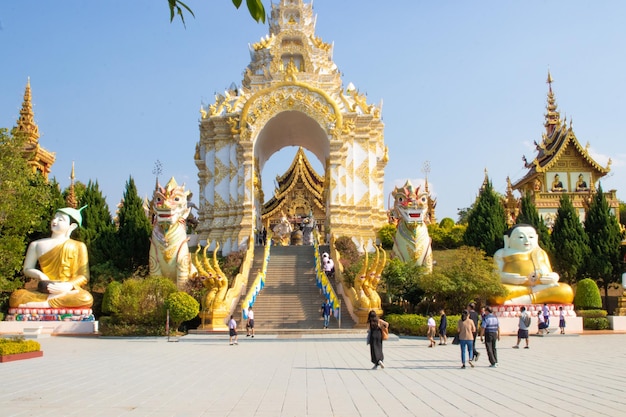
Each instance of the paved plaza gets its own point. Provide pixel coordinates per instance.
(314, 375)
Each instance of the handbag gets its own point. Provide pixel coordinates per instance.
(385, 332)
(455, 341)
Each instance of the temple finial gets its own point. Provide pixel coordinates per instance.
(26, 121)
(553, 118)
(70, 200)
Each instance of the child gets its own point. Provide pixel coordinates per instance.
(541, 324)
(432, 328)
(561, 320)
(232, 330)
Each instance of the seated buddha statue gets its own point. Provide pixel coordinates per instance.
(525, 270)
(63, 267)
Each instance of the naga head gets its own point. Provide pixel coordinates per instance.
(169, 205)
(410, 205)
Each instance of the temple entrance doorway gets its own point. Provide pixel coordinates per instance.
(292, 177)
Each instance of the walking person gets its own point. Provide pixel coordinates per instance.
(490, 330)
(546, 316)
(232, 331)
(431, 330)
(375, 339)
(327, 311)
(250, 324)
(443, 326)
(466, 329)
(523, 326)
(471, 309)
(542, 326)
(561, 320)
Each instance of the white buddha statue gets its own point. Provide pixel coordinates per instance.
(525, 270)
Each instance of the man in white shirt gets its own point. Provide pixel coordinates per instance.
(524, 325)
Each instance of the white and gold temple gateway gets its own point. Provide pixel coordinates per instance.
(291, 95)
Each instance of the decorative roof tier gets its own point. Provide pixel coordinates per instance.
(39, 159)
(558, 141)
(300, 173)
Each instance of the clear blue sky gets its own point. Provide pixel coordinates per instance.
(117, 87)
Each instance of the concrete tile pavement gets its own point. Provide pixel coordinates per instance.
(314, 375)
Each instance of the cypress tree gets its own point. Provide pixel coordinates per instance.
(486, 222)
(133, 234)
(98, 229)
(604, 235)
(571, 244)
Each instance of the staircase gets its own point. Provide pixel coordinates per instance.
(290, 299)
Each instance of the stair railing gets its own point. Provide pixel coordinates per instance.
(259, 281)
(323, 282)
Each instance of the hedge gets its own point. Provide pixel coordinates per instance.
(18, 345)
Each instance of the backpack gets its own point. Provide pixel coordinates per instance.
(527, 320)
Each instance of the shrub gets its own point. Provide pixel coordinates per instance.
(231, 264)
(111, 297)
(386, 235)
(138, 302)
(182, 307)
(587, 295)
(595, 323)
(416, 325)
(348, 251)
(591, 314)
(18, 345)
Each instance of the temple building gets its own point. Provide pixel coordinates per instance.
(39, 159)
(291, 94)
(299, 194)
(561, 166)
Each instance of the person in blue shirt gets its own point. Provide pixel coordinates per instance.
(326, 313)
(490, 330)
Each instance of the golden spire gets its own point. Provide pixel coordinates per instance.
(39, 159)
(26, 122)
(553, 118)
(70, 200)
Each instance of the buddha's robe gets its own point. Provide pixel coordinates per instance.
(525, 264)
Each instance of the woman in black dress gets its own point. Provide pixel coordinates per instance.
(375, 339)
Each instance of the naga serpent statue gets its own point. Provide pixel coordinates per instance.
(364, 294)
(169, 253)
(411, 242)
(216, 282)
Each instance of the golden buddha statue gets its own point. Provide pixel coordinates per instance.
(64, 267)
(525, 270)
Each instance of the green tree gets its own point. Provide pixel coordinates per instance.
(571, 245)
(486, 222)
(133, 234)
(529, 215)
(98, 231)
(386, 234)
(446, 234)
(469, 276)
(463, 214)
(603, 263)
(255, 7)
(25, 203)
(182, 307)
(400, 281)
(622, 213)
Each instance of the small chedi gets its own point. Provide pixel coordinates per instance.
(525, 271)
(169, 252)
(412, 242)
(61, 277)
